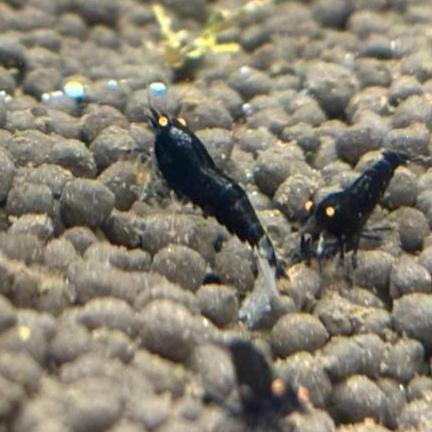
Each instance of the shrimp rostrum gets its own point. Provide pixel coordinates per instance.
(190, 171)
(343, 214)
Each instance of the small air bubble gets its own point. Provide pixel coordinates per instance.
(245, 70)
(158, 89)
(395, 46)
(112, 84)
(74, 89)
(5, 96)
(46, 97)
(247, 109)
(349, 60)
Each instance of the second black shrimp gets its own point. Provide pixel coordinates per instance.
(344, 214)
(265, 399)
(190, 171)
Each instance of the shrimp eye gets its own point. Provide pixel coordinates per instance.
(278, 387)
(182, 121)
(330, 211)
(308, 206)
(162, 121)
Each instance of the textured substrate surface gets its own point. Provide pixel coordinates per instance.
(105, 323)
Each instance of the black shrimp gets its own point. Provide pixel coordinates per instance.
(264, 397)
(190, 171)
(344, 214)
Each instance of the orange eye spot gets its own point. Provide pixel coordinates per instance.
(162, 121)
(330, 211)
(278, 387)
(182, 121)
(308, 205)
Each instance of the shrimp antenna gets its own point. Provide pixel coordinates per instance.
(422, 160)
(156, 91)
